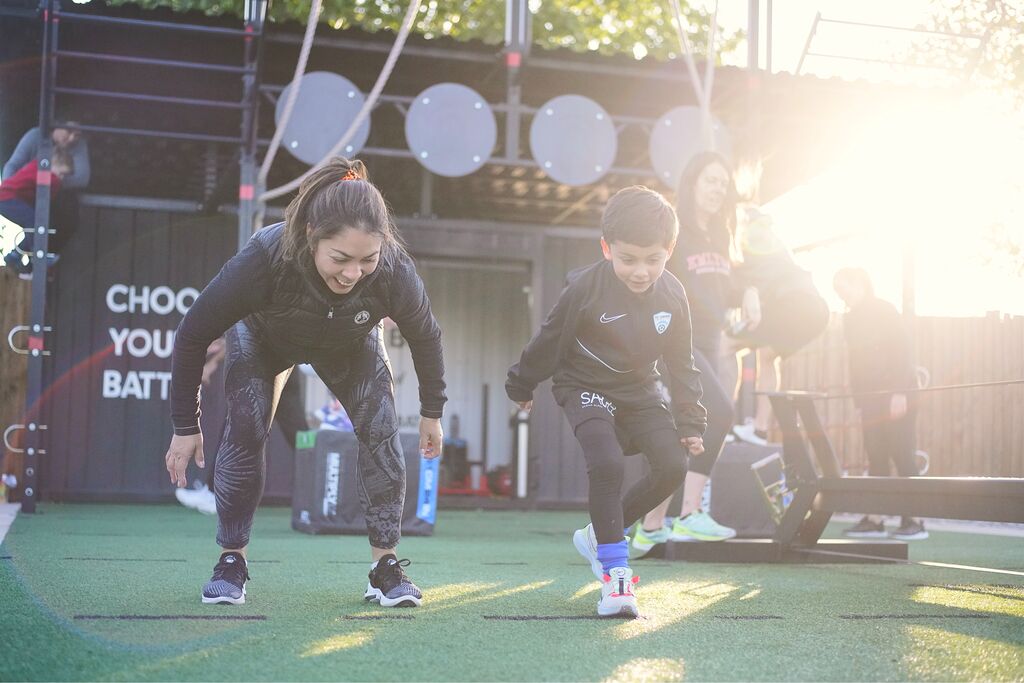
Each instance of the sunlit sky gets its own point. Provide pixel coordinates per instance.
(937, 182)
(792, 21)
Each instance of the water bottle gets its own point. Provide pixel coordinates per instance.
(787, 495)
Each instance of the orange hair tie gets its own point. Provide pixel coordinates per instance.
(351, 175)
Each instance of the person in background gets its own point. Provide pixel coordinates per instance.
(290, 417)
(706, 206)
(68, 138)
(18, 200)
(880, 360)
(793, 313)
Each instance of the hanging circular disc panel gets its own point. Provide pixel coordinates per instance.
(327, 104)
(573, 140)
(677, 138)
(451, 129)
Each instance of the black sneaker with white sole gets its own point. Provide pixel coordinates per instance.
(227, 587)
(910, 529)
(866, 528)
(390, 586)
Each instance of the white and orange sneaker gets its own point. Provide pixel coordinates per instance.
(617, 598)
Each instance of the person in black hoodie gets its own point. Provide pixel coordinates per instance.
(880, 361)
(314, 289)
(601, 342)
(793, 313)
(706, 205)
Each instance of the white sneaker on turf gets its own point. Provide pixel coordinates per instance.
(586, 544)
(747, 432)
(617, 598)
(201, 499)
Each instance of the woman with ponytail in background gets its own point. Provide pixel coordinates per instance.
(706, 206)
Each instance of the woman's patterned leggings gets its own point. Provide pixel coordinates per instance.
(361, 379)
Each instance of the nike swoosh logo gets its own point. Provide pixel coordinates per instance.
(605, 319)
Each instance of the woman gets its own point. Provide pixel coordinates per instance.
(706, 206)
(312, 289)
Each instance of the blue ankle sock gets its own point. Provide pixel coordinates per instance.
(613, 555)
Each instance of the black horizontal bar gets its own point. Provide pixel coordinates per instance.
(409, 50)
(982, 499)
(494, 106)
(670, 71)
(190, 101)
(198, 137)
(493, 161)
(900, 28)
(145, 23)
(148, 61)
(18, 12)
(888, 392)
(919, 65)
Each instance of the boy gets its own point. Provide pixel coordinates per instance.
(612, 323)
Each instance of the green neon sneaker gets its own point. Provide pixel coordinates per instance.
(698, 526)
(644, 540)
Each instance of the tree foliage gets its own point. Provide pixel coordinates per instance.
(996, 63)
(996, 60)
(638, 27)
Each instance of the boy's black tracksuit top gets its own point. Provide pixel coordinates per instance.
(603, 337)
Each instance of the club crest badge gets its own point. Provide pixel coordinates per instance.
(661, 321)
(362, 317)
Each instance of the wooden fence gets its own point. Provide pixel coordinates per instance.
(965, 432)
(15, 295)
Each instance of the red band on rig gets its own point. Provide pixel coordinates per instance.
(246, 191)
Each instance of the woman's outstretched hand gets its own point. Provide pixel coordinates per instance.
(181, 450)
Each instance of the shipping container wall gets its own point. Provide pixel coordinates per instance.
(484, 315)
(124, 281)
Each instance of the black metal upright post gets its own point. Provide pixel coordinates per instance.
(517, 48)
(34, 428)
(248, 194)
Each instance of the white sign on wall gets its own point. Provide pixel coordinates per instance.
(142, 343)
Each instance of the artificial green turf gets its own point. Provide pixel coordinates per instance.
(92, 560)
